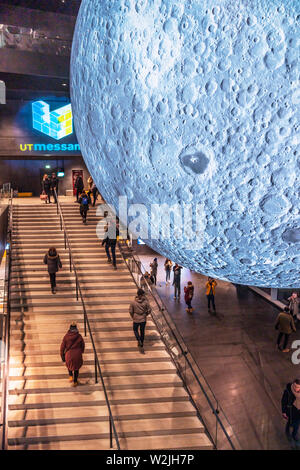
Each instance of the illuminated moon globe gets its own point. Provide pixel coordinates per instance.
(196, 104)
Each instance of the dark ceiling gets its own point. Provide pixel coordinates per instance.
(66, 7)
(18, 85)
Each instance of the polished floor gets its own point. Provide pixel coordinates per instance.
(235, 349)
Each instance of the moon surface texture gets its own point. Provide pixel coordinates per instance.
(197, 102)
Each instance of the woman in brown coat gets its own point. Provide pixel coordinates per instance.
(285, 326)
(71, 350)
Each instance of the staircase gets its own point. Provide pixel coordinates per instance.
(149, 403)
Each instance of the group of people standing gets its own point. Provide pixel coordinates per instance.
(151, 278)
(50, 187)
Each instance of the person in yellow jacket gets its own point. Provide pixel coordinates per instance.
(210, 292)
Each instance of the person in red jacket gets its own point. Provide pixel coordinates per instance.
(71, 350)
(188, 295)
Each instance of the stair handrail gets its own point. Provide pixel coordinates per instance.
(6, 329)
(185, 351)
(112, 427)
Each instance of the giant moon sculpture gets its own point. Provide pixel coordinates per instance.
(197, 102)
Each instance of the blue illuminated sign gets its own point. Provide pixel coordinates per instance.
(56, 124)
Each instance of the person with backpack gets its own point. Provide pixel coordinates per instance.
(52, 260)
(285, 326)
(139, 309)
(290, 405)
(188, 295)
(84, 201)
(210, 292)
(71, 350)
(145, 280)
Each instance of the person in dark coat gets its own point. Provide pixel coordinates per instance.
(177, 280)
(95, 194)
(188, 295)
(154, 266)
(78, 186)
(53, 262)
(84, 201)
(290, 405)
(285, 326)
(168, 267)
(54, 186)
(71, 350)
(110, 241)
(46, 187)
(139, 309)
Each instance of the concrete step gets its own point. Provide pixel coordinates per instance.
(85, 230)
(120, 347)
(33, 338)
(89, 261)
(17, 295)
(173, 434)
(94, 269)
(109, 370)
(122, 322)
(73, 398)
(40, 251)
(91, 310)
(19, 347)
(113, 383)
(111, 274)
(28, 332)
(91, 413)
(187, 442)
(53, 236)
(66, 286)
(64, 255)
(44, 245)
(54, 360)
(57, 301)
(104, 318)
(26, 218)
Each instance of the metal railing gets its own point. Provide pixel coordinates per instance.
(98, 371)
(207, 405)
(4, 344)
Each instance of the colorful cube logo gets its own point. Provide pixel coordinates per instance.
(56, 124)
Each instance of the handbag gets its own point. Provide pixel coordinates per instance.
(43, 196)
